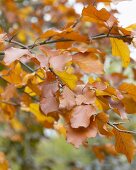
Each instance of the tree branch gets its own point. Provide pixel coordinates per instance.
(120, 130)
(95, 37)
(10, 103)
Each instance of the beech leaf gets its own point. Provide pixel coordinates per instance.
(78, 136)
(124, 143)
(12, 54)
(119, 48)
(80, 116)
(69, 79)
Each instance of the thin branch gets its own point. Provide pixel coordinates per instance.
(118, 123)
(48, 42)
(120, 130)
(95, 37)
(9, 102)
(100, 36)
(16, 43)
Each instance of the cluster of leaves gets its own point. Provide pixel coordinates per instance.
(60, 78)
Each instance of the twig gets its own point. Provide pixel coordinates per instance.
(48, 42)
(95, 37)
(118, 123)
(10, 103)
(100, 36)
(120, 130)
(16, 43)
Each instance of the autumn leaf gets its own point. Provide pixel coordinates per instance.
(124, 143)
(119, 48)
(118, 105)
(78, 136)
(13, 54)
(88, 62)
(129, 89)
(67, 99)
(129, 104)
(49, 104)
(102, 120)
(88, 97)
(103, 17)
(80, 116)
(102, 151)
(69, 79)
(34, 108)
(3, 162)
(58, 61)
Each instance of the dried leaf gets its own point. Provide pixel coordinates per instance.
(80, 116)
(13, 54)
(79, 136)
(67, 99)
(124, 143)
(88, 62)
(101, 120)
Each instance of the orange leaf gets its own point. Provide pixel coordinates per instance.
(101, 120)
(88, 62)
(102, 16)
(124, 143)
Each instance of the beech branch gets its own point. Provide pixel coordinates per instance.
(94, 37)
(120, 130)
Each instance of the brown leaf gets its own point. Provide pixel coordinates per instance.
(57, 59)
(88, 97)
(12, 54)
(116, 104)
(67, 99)
(49, 89)
(9, 92)
(88, 62)
(80, 116)
(49, 104)
(79, 136)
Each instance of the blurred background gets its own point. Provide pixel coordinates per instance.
(25, 144)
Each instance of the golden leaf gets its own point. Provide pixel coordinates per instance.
(119, 48)
(68, 79)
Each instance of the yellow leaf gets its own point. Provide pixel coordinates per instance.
(98, 105)
(34, 108)
(17, 125)
(131, 27)
(68, 79)
(29, 91)
(124, 143)
(101, 93)
(119, 48)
